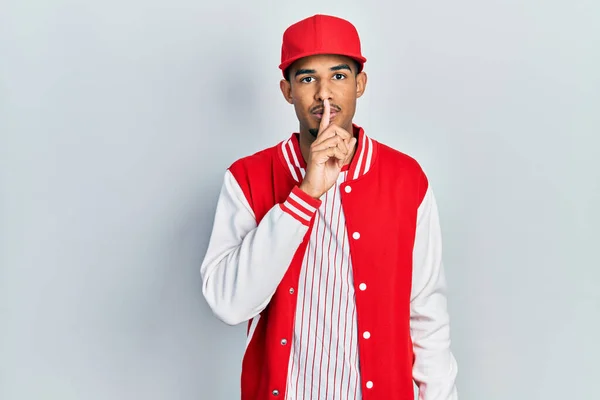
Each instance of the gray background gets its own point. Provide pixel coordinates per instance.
(118, 119)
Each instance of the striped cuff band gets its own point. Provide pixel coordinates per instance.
(301, 206)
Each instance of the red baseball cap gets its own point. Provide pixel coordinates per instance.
(320, 34)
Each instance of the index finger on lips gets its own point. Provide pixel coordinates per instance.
(325, 117)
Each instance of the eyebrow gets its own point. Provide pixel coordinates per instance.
(312, 71)
(340, 67)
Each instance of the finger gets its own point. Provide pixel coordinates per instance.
(329, 142)
(332, 131)
(336, 152)
(350, 145)
(322, 156)
(341, 132)
(324, 135)
(344, 134)
(325, 117)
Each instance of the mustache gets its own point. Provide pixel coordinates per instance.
(319, 109)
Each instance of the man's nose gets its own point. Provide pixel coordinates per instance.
(323, 92)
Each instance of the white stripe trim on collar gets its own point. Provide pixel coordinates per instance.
(360, 158)
(286, 155)
(363, 164)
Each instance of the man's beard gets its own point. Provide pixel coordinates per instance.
(314, 131)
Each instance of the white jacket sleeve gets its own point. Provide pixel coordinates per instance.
(435, 369)
(245, 261)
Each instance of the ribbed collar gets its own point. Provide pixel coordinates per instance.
(291, 156)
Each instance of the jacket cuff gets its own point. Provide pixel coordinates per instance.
(301, 206)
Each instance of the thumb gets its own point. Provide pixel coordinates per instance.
(352, 142)
(350, 147)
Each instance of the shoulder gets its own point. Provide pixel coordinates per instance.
(401, 170)
(390, 157)
(257, 162)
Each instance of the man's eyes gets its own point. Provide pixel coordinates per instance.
(310, 79)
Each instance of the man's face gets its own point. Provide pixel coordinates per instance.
(315, 78)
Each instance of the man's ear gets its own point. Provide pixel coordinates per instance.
(286, 90)
(361, 83)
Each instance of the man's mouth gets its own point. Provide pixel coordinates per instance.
(319, 115)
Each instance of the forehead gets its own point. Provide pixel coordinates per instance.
(321, 62)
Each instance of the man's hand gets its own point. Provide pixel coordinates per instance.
(332, 149)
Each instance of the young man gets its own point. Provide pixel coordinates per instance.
(328, 244)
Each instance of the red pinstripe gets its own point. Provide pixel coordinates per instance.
(325, 322)
(339, 318)
(337, 231)
(315, 317)
(310, 309)
(319, 291)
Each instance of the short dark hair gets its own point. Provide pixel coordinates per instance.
(286, 72)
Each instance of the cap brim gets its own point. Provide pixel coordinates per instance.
(283, 66)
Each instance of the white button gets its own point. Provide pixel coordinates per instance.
(291, 290)
(362, 286)
(348, 189)
(369, 385)
(275, 392)
(356, 235)
(283, 342)
(367, 334)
